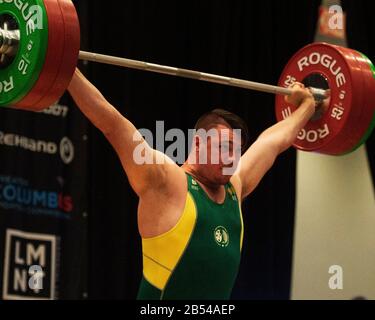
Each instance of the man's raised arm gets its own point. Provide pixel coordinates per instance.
(121, 133)
(260, 157)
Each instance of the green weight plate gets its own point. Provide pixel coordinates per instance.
(18, 74)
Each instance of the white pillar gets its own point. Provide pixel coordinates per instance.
(335, 225)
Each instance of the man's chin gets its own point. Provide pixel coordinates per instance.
(223, 180)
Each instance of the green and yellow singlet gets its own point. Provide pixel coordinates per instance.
(199, 258)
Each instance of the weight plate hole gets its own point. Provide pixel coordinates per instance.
(9, 39)
(317, 80)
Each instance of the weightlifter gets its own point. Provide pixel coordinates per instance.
(190, 217)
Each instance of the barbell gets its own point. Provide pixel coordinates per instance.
(39, 50)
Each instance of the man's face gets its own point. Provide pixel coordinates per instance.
(223, 151)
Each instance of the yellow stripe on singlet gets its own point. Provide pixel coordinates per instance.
(242, 228)
(233, 190)
(162, 253)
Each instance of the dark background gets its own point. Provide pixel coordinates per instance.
(101, 256)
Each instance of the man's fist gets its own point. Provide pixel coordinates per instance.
(299, 95)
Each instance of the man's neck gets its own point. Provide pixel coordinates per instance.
(194, 172)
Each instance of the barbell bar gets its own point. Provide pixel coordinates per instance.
(319, 94)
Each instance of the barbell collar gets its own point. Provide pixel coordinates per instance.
(9, 40)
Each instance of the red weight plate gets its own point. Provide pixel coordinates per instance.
(331, 133)
(358, 131)
(368, 111)
(369, 79)
(353, 131)
(53, 57)
(70, 55)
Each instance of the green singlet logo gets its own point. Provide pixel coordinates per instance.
(221, 236)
